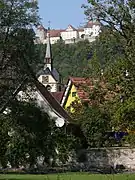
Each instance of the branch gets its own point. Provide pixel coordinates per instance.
(13, 95)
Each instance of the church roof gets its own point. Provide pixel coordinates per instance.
(58, 95)
(56, 74)
(47, 71)
(51, 100)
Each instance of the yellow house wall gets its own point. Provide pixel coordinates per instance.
(70, 98)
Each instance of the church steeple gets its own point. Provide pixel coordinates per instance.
(48, 56)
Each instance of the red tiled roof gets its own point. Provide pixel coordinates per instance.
(81, 84)
(58, 95)
(80, 30)
(90, 24)
(55, 33)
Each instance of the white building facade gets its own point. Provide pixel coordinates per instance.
(70, 34)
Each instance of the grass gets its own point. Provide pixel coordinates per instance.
(69, 176)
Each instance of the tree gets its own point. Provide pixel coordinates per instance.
(16, 44)
(4, 138)
(26, 134)
(118, 17)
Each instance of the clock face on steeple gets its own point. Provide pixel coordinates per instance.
(45, 79)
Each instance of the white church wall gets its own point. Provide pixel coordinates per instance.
(41, 102)
(47, 108)
(51, 82)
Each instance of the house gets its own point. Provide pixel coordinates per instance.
(91, 30)
(41, 35)
(69, 35)
(76, 91)
(81, 90)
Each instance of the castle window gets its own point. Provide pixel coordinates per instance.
(45, 79)
(73, 94)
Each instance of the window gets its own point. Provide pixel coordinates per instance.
(48, 87)
(73, 94)
(82, 36)
(45, 79)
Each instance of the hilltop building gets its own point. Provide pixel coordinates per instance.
(69, 35)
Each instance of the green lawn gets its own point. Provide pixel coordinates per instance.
(69, 176)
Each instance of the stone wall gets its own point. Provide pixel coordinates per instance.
(108, 157)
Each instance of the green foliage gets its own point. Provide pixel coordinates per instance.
(4, 139)
(92, 121)
(124, 115)
(65, 143)
(68, 59)
(16, 44)
(30, 134)
(114, 54)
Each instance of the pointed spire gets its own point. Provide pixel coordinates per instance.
(48, 56)
(48, 48)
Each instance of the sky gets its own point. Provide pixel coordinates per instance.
(61, 13)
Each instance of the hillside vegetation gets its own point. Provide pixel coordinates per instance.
(68, 59)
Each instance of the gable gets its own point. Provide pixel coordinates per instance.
(79, 86)
(45, 79)
(71, 97)
(46, 72)
(70, 28)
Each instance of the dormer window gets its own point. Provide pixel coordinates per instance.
(45, 79)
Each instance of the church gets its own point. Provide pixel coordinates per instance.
(49, 76)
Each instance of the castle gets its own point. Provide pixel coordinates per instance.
(69, 35)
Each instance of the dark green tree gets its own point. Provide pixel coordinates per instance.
(118, 70)
(16, 44)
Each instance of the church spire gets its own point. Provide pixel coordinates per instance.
(48, 56)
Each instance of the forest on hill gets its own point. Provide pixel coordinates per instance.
(83, 58)
(68, 59)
